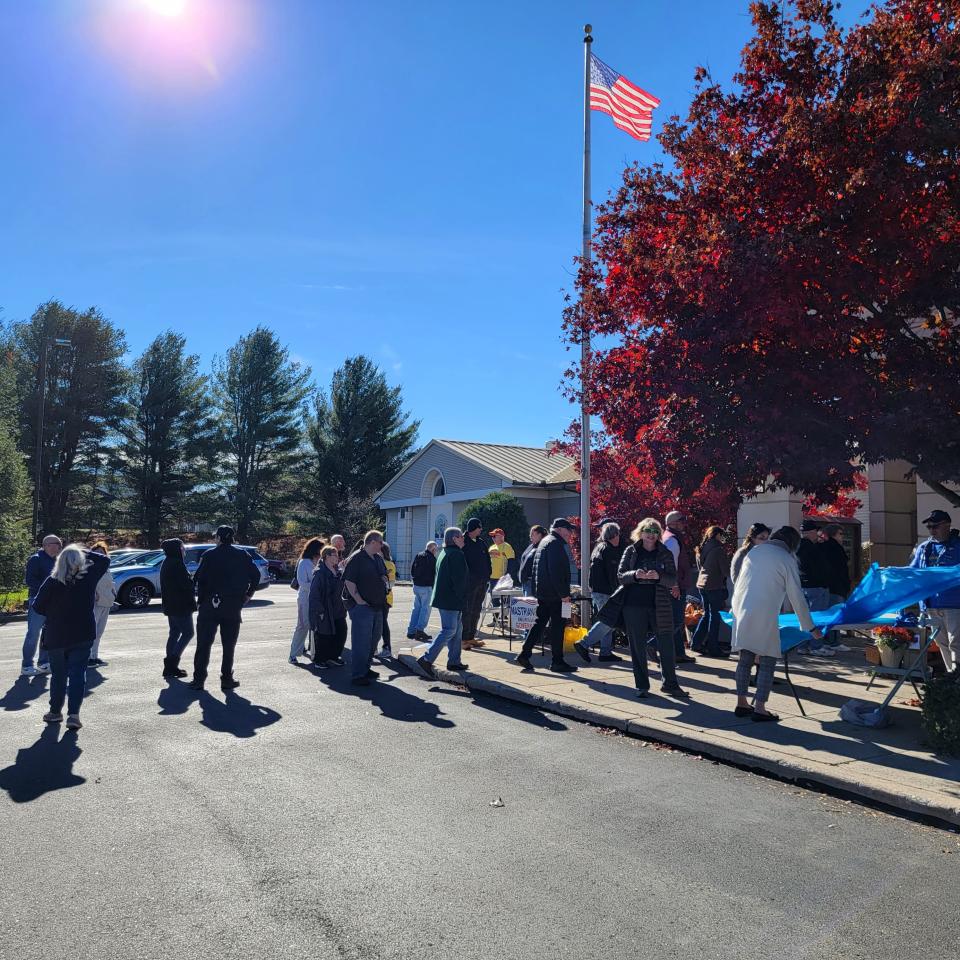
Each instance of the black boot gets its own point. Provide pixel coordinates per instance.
(171, 668)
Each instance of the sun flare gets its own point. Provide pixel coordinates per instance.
(167, 8)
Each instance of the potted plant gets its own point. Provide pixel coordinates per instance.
(892, 644)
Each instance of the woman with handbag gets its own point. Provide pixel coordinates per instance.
(328, 615)
(714, 564)
(309, 558)
(648, 582)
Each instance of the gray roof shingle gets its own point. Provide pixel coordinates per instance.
(524, 465)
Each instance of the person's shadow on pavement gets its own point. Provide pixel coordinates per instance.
(237, 716)
(175, 698)
(23, 691)
(45, 766)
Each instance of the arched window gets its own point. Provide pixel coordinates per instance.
(438, 488)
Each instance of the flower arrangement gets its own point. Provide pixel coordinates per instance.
(892, 637)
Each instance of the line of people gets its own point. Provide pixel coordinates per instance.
(638, 587)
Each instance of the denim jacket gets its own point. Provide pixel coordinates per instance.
(930, 553)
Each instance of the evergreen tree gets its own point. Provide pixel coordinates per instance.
(85, 380)
(167, 435)
(14, 486)
(259, 394)
(360, 437)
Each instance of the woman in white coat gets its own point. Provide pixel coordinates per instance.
(306, 566)
(769, 575)
(103, 602)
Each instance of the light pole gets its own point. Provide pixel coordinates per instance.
(38, 460)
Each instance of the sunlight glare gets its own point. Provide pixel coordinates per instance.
(167, 8)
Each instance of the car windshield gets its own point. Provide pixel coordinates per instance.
(129, 559)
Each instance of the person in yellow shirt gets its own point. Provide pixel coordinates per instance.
(500, 554)
(391, 578)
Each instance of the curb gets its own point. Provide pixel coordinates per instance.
(792, 771)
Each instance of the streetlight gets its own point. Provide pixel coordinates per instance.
(38, 465)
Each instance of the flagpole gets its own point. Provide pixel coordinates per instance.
(585, 352)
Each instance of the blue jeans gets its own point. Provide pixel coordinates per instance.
(35, 622)
(706, 638)
(366, 626)
(68, 677)
(818, 598)
(599, 632)
(450, 635)
(181, 633)
(421, 610)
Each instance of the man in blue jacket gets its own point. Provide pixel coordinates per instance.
(38, 569)
(942, 549)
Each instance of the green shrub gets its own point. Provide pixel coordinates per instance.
(499, 510)
(940, 713)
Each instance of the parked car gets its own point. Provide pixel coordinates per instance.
(280, 569)
(137, 584)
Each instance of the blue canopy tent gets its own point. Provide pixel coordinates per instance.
(877, 599)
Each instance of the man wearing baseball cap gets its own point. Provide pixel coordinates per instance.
(942, 549)
(478, 568)
(551, 586)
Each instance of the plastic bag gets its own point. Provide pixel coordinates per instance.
(864, 714)
(504, 583)
(572, 635)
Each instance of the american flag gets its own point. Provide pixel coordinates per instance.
(630, 107)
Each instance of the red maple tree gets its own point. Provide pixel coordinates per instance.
(783, 297)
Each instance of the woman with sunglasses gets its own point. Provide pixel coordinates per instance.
(648, 577)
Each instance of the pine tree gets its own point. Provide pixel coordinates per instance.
(167, 436)
(85, 380)
(259, 395)
(14, 486)
(360, 437)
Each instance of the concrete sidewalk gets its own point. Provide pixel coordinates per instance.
(889, 765)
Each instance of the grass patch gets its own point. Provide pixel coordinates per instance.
(13, 601)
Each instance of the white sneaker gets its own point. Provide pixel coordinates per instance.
(824, 652)
(43, 668)
(842, 648)
(29, 672)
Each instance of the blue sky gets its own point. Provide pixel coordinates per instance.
(400, 180)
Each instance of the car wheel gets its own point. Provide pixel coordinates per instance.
(136, 593)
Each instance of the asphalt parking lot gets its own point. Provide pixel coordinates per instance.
(299, 818)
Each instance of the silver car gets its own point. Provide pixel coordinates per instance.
(137, 584)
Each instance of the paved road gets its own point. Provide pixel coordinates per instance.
(296, 819)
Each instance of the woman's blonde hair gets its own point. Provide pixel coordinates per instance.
(329, 552)
(647, 525)
(71, 564)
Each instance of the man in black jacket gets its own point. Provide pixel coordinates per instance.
(423, 571)
(226, 579)
(551, 586)
(478, 567)
(813, 575)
